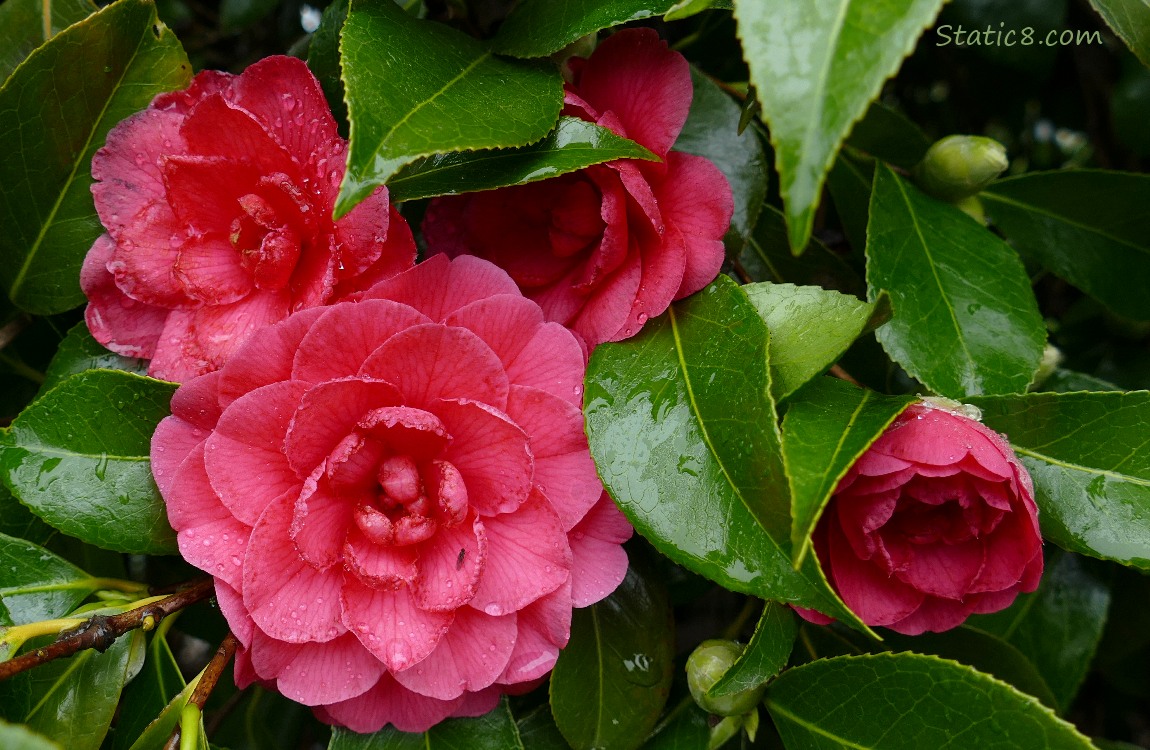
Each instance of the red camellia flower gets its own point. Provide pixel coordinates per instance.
(604, 249)
(396, 497)
(935, 522)
(218, 203)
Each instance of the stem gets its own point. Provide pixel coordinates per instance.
(193, 709)
(101, 631)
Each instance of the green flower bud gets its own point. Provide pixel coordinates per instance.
(959, 166)
(705, 666)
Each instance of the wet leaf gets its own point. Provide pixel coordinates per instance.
(26, 24)
(537, 28)
(79, 352)
(492, 731)
(764, 657)
(38, 585)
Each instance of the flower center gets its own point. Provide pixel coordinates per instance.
(268, 233)
(412, 501)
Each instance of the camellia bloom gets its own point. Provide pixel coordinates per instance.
(218, 203)
(935, 522)
(604, 249)
(396, 497)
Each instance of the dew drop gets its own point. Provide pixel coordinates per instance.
(493, 609)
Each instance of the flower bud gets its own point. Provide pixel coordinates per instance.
(706, 666)
(959, 166)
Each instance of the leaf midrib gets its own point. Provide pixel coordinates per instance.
(35, 247)
(1029, 207)
(1079, 467)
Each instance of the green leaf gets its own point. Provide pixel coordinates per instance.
(80, 352)
(58, 106)
(16, 737)
(965, 320)
(888, 135)
(79, 458)
(37, 585)
(828, 426)
(417, 88)
(685, 437)
(492, 731)
(611, 681)
(810, 329)
(764, 657)
(849, 183)
(537, 28)
(688, 8)
(18, 521)
(72, 701)
(26, 24)
(1088, 456)
(909, 701)
(537, 731)
(323, 60)
(1082, 225)
(816, 67)
(1130, 20)
(151, 703)
(1068, 381)
(982, 651)
(768, 257)
(712, 131)
(1056, 627)
(573, 145)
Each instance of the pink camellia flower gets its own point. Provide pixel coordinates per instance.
(604, 249)
(218, 203)
(935, 522)
(396, 498)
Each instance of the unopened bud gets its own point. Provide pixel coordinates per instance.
(1051, 359)
(706, 666)
(959, 166)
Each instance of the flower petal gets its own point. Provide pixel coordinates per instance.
(338, 342)
(876, 598)
(469, 657)
(329, 412)
(388, 702)
(124, 325)
(450, 565)
(491, 452)
(544, 628)
(695, 199)
(598, 560)
(316, 673)
(390, 625)
(266, 358)
(438, 286)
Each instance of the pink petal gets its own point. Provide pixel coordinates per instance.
(812, 616)
(406, 431)
(266, 358)
(145, 255)
(390, 625)
(204, 84)
(876, 598)
(527, 556)
(378, 566)
(598, 560)
(608, 310)
(316, 673)
(553, 361)
(635, 75)
(695, 198)
(934, 615)
(875, 463)
(204, 192)
(197, 401)
(233, 609)
(218, 128)
(208, 534)
(479, 703)
(245, 457)
(329, 412)
(320, 522)
(388, 703)
(544, 628)
(117, 321)
(450, 565)
(942, 570)
(127, 169)
(433, 361)
(219, 330)
(1010, 551)
(664, 261)
(563, 466)
(469, 657)
(861, 516)
(437, 287)
(288, 598)
(346, 334)
(360, 236)
(505, 322)
(177, 357)
(396, 255)
(491, 452)
(209, 269)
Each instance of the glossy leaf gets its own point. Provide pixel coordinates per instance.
(79, 458)
(1082, 225)
(1130, 20)
(765, 655)
(1090, 462)
(37, 585)
(810, 329)
(888, 135)
(688, 8)
(1069, 381)
(537, 28)
(59, 105)
(573, 145)
(982, 651)
(816, 67)
(492, 731)
(151, 703)
(849, 182)
(537, 731)
(72, 701)
(18, 521)
(829, 424)
(16, 737)
(685, 437)
(1058, 626)
(611, 681)
(965, 320)
(79, 352)
(417, 88)
(686, 727)
(909, 701)
(26, 24)
(768, 257)
(712, 131)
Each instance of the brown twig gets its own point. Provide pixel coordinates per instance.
(101, 631)
(207, 683)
